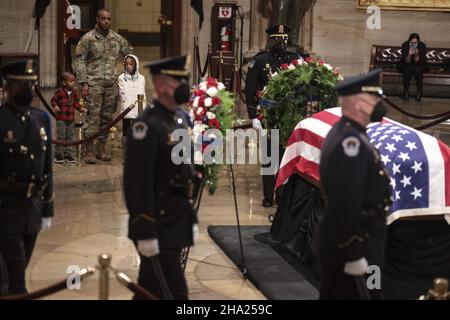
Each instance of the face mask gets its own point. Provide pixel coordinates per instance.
(279, 48)
(24, 96)
(182, 94)
(378, 112)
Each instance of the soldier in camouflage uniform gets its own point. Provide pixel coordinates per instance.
(97, 53)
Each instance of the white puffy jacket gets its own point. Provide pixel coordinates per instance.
(129, 87)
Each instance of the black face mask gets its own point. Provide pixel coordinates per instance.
(182, 94)
(279, 48)
(24, 96)
(378, 112)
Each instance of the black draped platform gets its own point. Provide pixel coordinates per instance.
(417, 251)
(274, 270)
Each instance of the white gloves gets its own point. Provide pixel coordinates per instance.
(46, 223)
(148, 248)
(195, 232)
(356, 268)
(256, 124)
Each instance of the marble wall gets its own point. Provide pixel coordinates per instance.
(15, 25)
(340, 34)
(128, 15)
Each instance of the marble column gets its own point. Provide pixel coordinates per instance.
(258, 25)
(47, 47)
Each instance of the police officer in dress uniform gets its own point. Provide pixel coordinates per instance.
(26, 187)
(260, 69)
(351, 234)
(158, 192)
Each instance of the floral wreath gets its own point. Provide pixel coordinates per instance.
(297, 90)
(211, 107)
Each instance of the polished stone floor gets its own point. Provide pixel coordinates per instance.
(91, 219)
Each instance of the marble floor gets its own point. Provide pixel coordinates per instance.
(91, 219)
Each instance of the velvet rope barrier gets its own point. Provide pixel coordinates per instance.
(414, 116)
(134, 287)
(46, 105)
(434, 123)
(88, 139)
(97, 134)
(59, 286)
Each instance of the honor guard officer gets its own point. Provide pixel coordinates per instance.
(158, 192)
(26, 187)
(260, 69)
(351, 234)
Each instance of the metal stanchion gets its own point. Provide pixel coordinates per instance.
(210, 59)
(220, 66)
(438, 292)
(104, 261)
(140, 101)
(79, 126)
(235, 79)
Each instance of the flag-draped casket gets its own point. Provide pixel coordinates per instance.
(419, 169)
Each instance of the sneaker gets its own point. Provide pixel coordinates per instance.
(59, 159)
(70, 159)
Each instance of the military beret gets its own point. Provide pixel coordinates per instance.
(368, 83)
(25, 70)
(279, 30)
(177, 67)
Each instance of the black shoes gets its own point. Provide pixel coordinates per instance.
(266, 203)
(419, 96)
(59, 159)
(405, 95)
(70, 159)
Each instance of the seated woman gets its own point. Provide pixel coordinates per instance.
(413, 62)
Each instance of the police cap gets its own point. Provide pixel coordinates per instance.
(177, 67)
(22, 70)
(366, 83)
(279, 30)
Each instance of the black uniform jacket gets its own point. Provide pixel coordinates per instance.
(26, 178)
(357, 195)
(259, 71)
(158, 191)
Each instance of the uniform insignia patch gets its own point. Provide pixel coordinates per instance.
(351, 146)
(139, 130)
(251, 64)
(281, 29)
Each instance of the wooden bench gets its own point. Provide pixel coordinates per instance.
(436, 79)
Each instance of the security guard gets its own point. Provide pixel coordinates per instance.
(159, 192)
(26, 187)
(260, 69)
(351, 234)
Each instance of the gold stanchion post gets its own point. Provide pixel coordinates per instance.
(438, 292)
(104, 261)
(210, 59)
(140, 101)
(221, 66)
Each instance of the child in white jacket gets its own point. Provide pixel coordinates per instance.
(131, 84)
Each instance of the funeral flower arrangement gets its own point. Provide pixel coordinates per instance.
(211, 107)
(296, 91)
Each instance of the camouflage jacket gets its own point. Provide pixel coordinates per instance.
(96, 56)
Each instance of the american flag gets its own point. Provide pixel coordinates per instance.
(418, 164)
